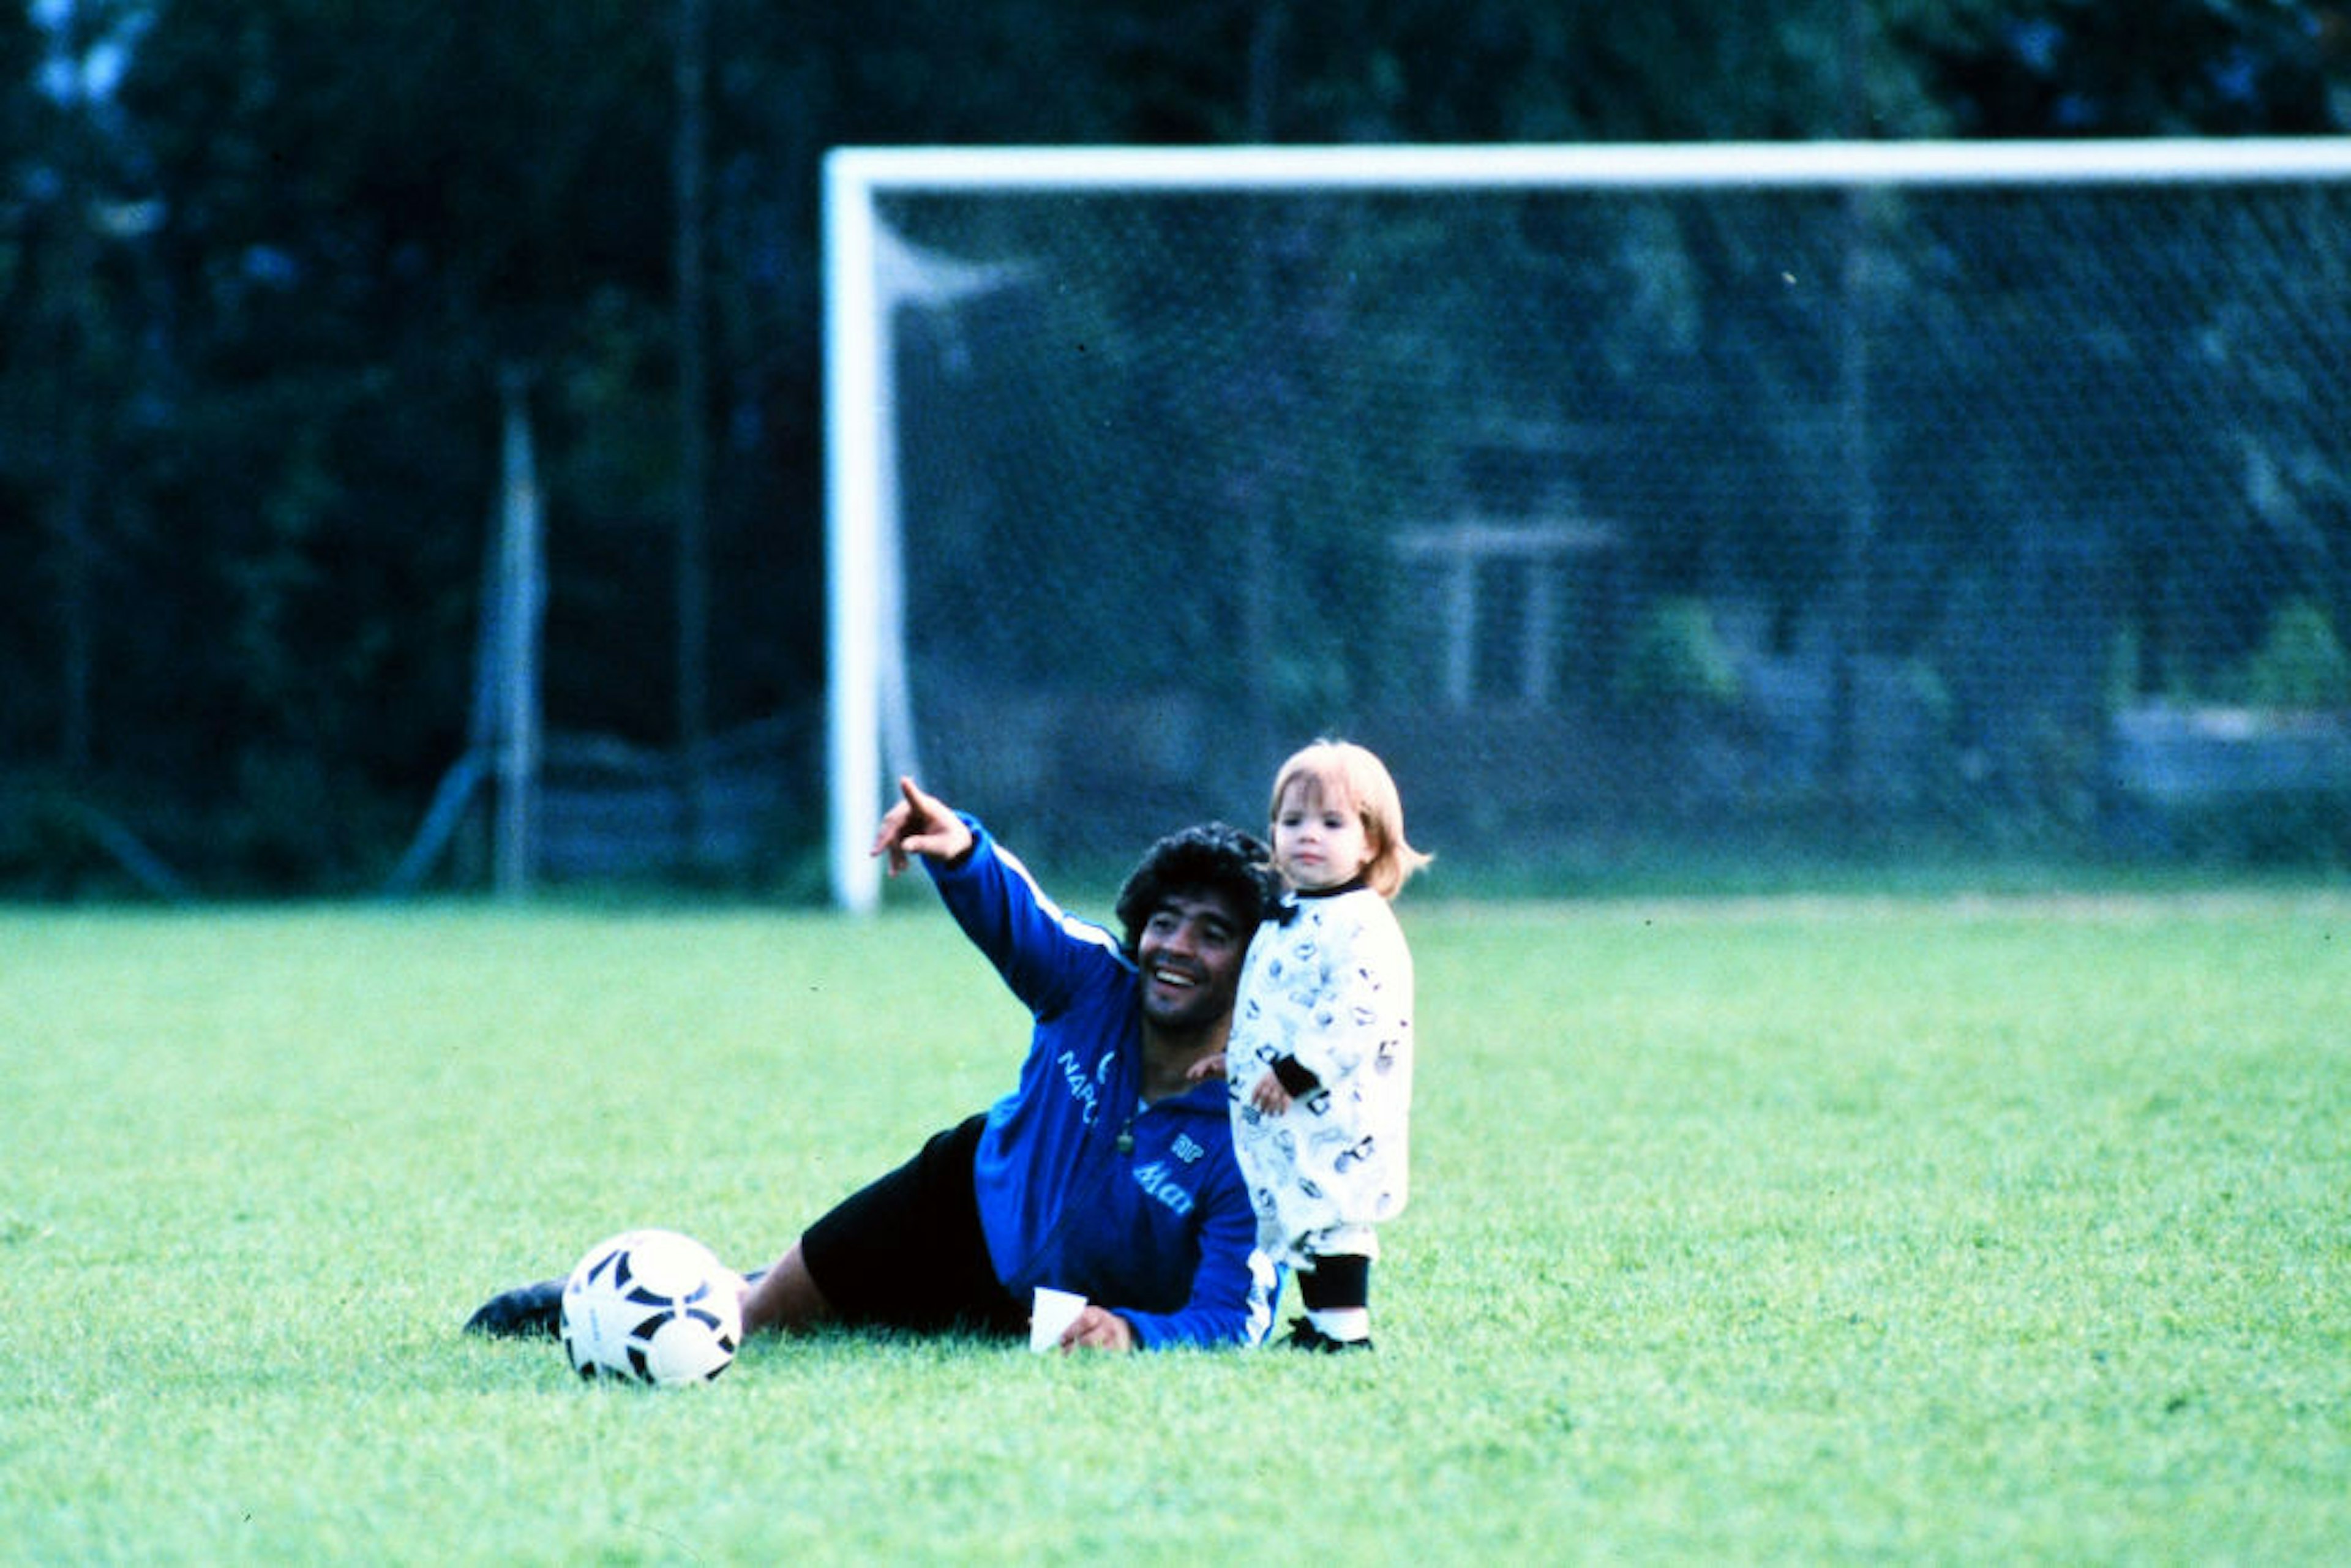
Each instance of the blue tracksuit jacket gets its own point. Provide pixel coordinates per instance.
(1163, 1234)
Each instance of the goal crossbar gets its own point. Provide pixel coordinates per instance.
(1616, 164)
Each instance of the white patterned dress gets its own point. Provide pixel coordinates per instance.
(1329, 985)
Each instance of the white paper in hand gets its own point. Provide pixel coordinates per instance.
(1054, 1311)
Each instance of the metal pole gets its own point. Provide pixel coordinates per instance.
(521, 593)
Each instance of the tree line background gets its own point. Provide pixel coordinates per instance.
(266, 264)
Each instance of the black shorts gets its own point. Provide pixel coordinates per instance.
(907, 1251)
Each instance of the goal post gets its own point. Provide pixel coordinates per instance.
(1548, 438)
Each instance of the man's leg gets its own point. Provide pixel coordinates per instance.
(905, 1251)
(785, 1297)
(536, 1310)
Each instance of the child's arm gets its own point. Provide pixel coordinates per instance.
(1283, 1084)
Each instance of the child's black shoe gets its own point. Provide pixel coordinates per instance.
(1304, 1335)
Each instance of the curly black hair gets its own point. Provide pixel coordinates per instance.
(1212, 856)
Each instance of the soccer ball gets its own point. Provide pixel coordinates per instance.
(651, 1306)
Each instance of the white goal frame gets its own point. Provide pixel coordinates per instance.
(869, 276)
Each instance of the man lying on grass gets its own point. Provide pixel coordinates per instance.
(1106, 1171)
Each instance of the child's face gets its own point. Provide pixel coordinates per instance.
(1318, 844)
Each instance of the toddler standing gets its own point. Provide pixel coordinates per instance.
(1319, 1059)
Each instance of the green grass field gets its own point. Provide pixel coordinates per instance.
(1906, 1230)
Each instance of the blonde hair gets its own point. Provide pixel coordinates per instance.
(1341, 773)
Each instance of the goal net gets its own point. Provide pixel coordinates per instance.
(1645, 507)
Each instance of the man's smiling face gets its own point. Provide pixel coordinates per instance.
(1190, 952)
